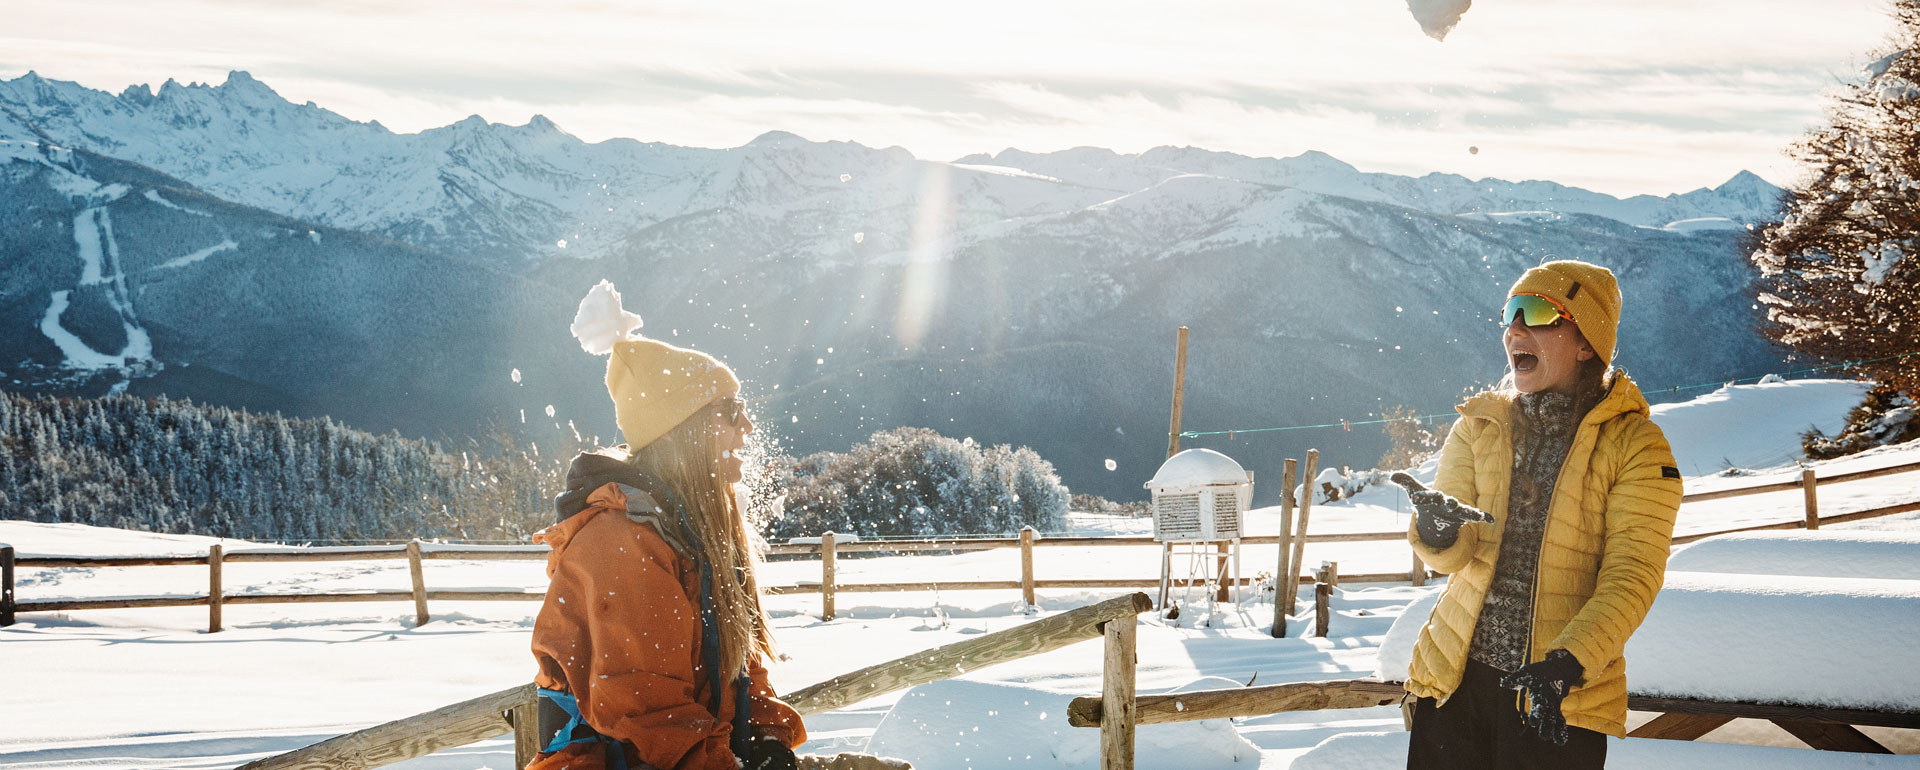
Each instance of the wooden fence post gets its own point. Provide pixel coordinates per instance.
(1807, 484)
(1323, 582)
(6, 585)
(1300, 528)
(419, 582)
(827, 552)
(1116, 695)
(1282, 607)
(1026, 565)
(1418, 576)
(215, 556)
(525, 718)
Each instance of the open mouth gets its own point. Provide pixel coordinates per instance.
(1524, 362)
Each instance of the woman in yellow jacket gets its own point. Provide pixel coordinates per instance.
(1553, 512)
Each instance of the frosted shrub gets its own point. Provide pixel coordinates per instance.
(916, 482)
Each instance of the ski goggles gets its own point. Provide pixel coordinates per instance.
(1534, 310)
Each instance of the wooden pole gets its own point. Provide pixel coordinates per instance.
(1116, 695)
(1300, 529)
(6, 585)
(1179, 393)
(214, 592)
(1418, 576)
(1220, 571)
(1026, 565)
(1285, 568)
(1166, 573)
(1323, 597)
(525, 718)
(827, 553)
(419, 582)
(1808, 483)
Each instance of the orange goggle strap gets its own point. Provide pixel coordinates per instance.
(1517, 305)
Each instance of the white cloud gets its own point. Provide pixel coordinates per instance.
(1632, 96)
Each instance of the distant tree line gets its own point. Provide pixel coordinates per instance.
(179, 467)
(163, 465)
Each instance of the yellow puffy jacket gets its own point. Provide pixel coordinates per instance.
(1603, 555)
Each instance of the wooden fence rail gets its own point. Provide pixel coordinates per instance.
(416, 553)
(514, 710)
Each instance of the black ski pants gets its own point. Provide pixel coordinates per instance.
(1480, 729)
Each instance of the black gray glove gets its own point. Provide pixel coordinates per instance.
(765, 752)
(1545, 684)
(1436, 515)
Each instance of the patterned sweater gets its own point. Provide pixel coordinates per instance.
(1500, 637)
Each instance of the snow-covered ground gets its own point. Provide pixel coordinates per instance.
(148, 688)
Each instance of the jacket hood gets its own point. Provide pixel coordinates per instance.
(1623, 397)
(601, 482)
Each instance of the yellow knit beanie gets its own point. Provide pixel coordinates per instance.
(1588, 292)
(655, 386)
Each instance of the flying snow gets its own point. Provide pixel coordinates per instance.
(600, 322)
(516, 376)
(1111, 465)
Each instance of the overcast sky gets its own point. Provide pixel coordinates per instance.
(1624, 96)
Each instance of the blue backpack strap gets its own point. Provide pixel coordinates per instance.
(565, 738)
(616, 753)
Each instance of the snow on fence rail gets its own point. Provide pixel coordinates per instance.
(826, 549)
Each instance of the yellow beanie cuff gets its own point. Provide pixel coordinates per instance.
(1589, 292)
(656, 386)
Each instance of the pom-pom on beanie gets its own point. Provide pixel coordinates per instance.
(655, 386)
(1588, 292)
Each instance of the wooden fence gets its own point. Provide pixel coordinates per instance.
(826, 550)
(513, 709)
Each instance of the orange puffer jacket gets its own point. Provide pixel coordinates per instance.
(620, 630)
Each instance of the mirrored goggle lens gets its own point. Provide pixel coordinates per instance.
(1532, 310)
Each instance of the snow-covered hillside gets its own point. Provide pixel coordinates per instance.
(1018, 298)
(147, 688)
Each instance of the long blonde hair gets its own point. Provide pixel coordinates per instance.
(687, 461)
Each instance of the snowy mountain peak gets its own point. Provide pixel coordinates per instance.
(778, 140)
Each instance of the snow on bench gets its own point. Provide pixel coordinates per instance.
(1388, 751)
(1850, 553)
(1820, 642)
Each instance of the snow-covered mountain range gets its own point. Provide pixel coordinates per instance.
(291, 258)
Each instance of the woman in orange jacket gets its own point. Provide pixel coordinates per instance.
(1552, 513)
(652, 639)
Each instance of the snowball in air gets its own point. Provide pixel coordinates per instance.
(858, 237)
(1437, 17)
(549, 410)
(600, 321)
(1111, 465)
(516, 376)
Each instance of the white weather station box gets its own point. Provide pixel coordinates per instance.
(1199, 495)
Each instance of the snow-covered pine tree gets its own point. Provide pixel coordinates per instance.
(1838, 277)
